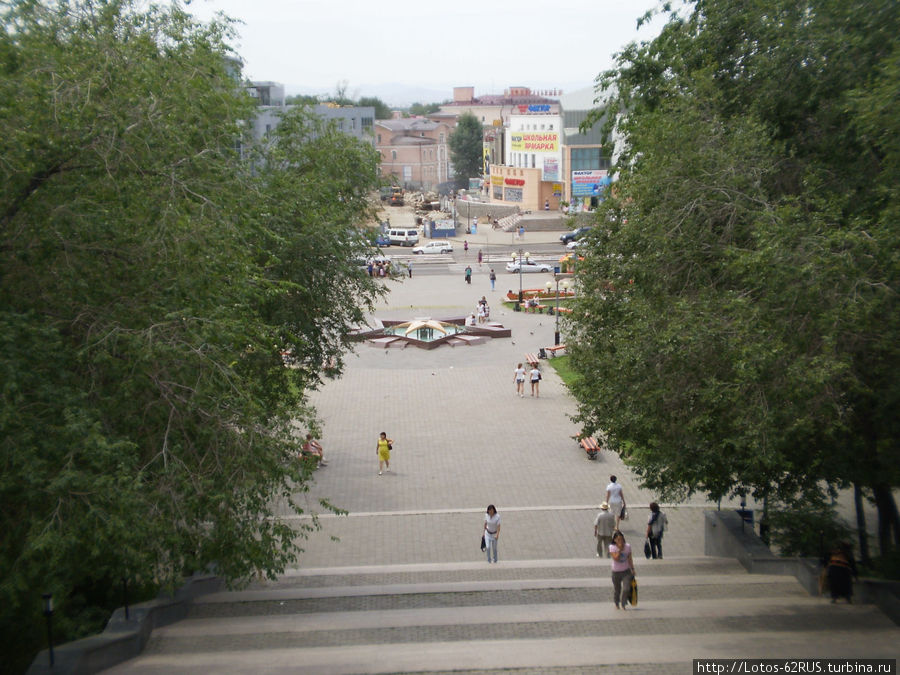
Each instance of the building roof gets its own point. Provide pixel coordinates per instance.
(499, 99)
(408, 124)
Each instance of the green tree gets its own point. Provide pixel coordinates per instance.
(151, 279)
(302, 99)
(741, 320)
(466, 148)
(423, 109)
(382, 110)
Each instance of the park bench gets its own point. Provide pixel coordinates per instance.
(590, 445)
(552, 350)
(534, 308)
(531, 360)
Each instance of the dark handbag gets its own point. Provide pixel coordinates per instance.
(483, 545)
(647, 550)
(390, 447)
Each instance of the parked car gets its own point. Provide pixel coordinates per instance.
(434, 247)
(577, 243)
(574, 235)
(403, 236)
(528, 266)
(382, 239)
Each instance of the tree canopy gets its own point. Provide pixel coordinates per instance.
(740, 330)
(466, 148)
(423, 109)
(158, 271)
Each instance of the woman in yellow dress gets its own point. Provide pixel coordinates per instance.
(383, 450)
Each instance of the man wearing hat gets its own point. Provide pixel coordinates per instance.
(604, 524)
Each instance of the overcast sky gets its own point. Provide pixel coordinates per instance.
(488, 44)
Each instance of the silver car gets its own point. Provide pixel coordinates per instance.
(434, 247)
(528, 266)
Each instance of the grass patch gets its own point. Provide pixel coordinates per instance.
(563, 368)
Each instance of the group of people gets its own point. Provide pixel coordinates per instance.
(534, 375)
(379, 268)
(482, 310)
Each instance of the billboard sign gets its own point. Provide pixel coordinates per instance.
(589, 183)
(550, 169)
(533, 141)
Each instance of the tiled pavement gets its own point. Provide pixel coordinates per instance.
(462, 440)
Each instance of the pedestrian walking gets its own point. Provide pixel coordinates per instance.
(383, 450)
(536, 381)
(493, 278)
(465, 245)
(656, 525)
(622, 569)
(604, 525)
(468, 274)
(519, 379)
(616, 499)
(409, 268)
(491, 532)
(839, 572)
(480, 256)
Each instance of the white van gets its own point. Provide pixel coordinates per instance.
(403, 237)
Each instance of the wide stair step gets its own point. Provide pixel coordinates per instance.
(529, 617)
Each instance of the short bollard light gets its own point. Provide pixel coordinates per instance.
(48, 612)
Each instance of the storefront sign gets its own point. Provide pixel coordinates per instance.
(521, 141)
(514, 181)
(557, 189)
(537, 108)
(496, 180)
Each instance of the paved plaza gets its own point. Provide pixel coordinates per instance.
(462, 440)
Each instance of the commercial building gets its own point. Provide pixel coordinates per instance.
(541, 157)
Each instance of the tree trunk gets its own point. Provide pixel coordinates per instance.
(861, 526)
(887, 517)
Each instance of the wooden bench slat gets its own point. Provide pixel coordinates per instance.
(590, 445)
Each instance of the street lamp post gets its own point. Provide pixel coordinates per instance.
(521, 259)
(549, 286)
(48, 613)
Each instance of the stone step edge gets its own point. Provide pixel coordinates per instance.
(544, 653)
(306, 593)
(675, 610)
(503, 564)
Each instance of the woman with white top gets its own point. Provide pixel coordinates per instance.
(536, 381)
(519, 378)
(491, 531)
(615, 498)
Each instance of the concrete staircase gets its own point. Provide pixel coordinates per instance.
(539, 616)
